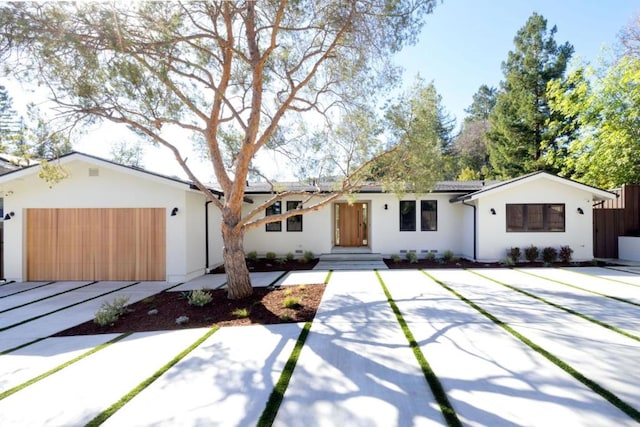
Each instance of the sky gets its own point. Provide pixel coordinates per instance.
(464, 42)
(461, 47)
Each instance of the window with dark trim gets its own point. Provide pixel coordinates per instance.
(407, 215)
(294, 223)
(428, 215)
(274, 209)
(536, 217)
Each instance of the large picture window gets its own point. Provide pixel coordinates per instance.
(407, 215)
(294, 223)
(429, 215)
(538, 217)
(274, 209)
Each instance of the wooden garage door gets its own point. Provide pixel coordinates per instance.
(96, 244)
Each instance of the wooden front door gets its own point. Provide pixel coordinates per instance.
(351, 224)
(96, 244)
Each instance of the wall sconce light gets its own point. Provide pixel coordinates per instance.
(8, 216)
(493, 211)
(386, 207)
(174, 211)
(580, 211)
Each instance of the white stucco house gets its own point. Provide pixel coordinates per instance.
(107, 221)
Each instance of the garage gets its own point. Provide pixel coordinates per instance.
(96, 244)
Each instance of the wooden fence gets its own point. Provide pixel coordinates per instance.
(615, 218)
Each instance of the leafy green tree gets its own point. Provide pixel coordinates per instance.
(251, 69)
(483, 103)
(606, 106)
(525, 134)
(11, 123)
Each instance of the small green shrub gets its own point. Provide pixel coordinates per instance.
(286, 317)
(280, 261)
(396, 258)
(110, 312)
(289, 256)
(507, 262)
(199, 298)
(448, 255)
(549, 254)
(565, 254)
(412, 257)
(241, 313)
(431, 256)
(531, 253)
(291, 302)
(252, 256)
(514, 254)
(271, 256)
(306, 257)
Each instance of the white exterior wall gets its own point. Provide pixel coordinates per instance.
(384, 234)
(112, 188)
(494, 240)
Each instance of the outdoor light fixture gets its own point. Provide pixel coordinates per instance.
(580, 211)
(174, 211)
(493, 211)
(386, 206)
(8, 216)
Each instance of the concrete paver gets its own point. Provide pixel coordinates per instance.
(31, 295)
(11, 288)
(491, 377)
(596, 352)
(226, 381)
(75, 395)
(356, 368)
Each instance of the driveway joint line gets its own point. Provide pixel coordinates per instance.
(26, 290)
(48, 296)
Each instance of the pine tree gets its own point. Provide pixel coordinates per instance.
(525, 135)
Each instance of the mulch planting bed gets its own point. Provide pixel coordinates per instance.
(265, 306)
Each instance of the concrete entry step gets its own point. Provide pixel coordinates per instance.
(351, 261)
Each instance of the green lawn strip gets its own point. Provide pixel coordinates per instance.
(626, 301)
(437, 389)
(47, 297)
(27, 344)
(597, 388)
(104, 415)
(276, 396)
(560, 307)
(25, 290)
(58, 368)
(64, 308)
(326, 280)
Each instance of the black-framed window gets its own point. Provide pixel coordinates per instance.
(428, 215)
(274, 209)
(536, 217)
(407, 215)
(294, 223)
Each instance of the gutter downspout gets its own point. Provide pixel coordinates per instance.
(206, 235)
(475, 226)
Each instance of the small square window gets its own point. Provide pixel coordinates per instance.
(274, 209)
(294, 223)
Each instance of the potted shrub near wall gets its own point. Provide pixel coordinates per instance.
(629, 246)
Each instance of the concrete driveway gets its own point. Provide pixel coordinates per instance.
(508, 347)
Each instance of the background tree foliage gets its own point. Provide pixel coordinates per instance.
(525, 134)
(237, 76)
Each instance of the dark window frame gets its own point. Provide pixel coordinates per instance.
(428, 208)
(408, 219)
(294, 222)
(531, 221)
(274, 209)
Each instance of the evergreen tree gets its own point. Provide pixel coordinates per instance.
(525, 135)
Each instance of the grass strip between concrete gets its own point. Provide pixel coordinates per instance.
(626, 301)
(104, 415)
(560, 307)
(326, 280)
(66, 291)
(275, 398)
(606, 278)
(437, 389)
(594, 386)
(60, 367)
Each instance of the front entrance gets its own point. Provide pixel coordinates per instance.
(351, 223)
